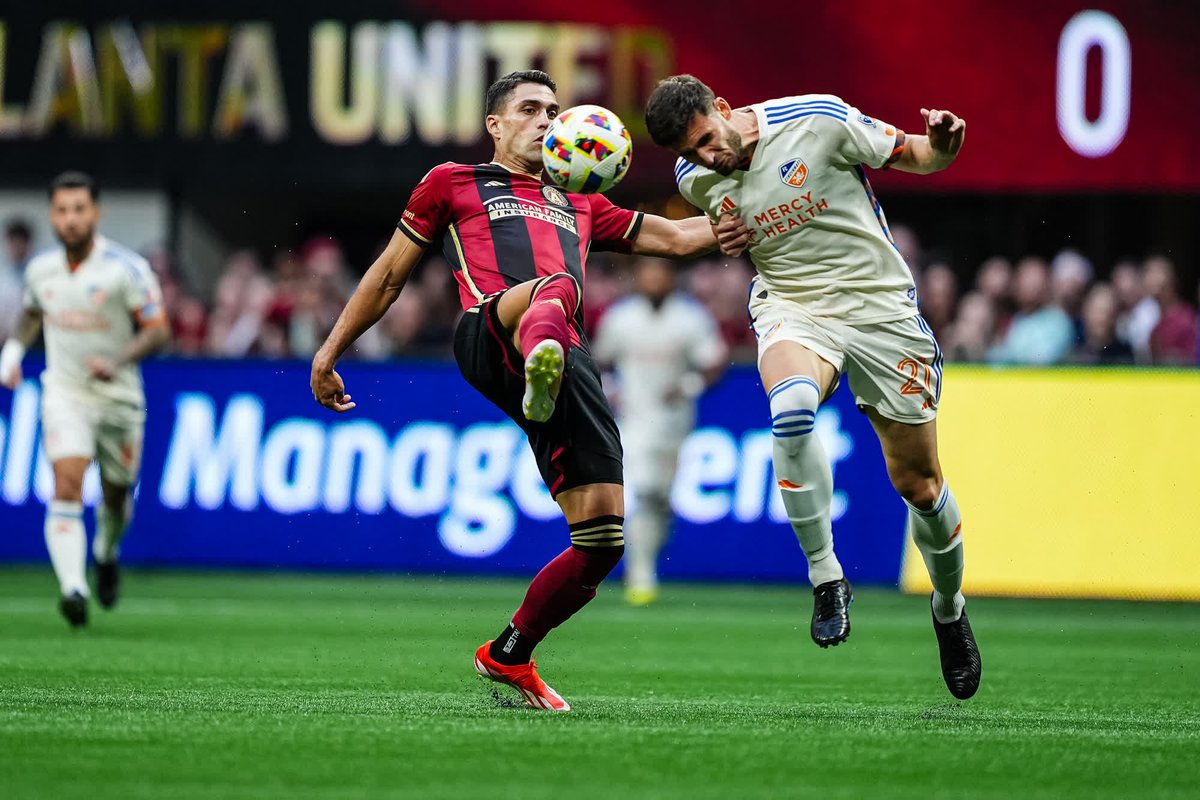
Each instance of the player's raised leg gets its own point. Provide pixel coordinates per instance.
(796, 380)
(595, 515)
(543, 337)
(66, 539)
(935, 524)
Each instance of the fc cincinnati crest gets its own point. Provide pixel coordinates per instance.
(793, 173)
(555, 196)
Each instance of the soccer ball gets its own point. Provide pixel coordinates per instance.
(587, 149)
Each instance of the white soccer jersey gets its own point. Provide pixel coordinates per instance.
(652, 350)
(89, 311)
(820, 236)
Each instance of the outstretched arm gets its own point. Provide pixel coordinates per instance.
(935, 150)
(691, 237)
(376, 292)
(14, 349)
(674, 238)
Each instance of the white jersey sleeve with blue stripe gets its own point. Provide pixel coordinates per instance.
(857, 138)
(141, 290)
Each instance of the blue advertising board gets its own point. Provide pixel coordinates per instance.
(243, 469)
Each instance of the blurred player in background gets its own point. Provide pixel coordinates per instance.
(832, 294)
(101, 308)
(666, 350)
(18, 247)
(517, 248)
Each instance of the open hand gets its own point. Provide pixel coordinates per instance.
(945, 130)
(101, 368)
(329, 390)
(732, 234)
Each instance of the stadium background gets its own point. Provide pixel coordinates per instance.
(233, 127)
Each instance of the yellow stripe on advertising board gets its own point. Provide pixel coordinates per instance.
(1072, 482)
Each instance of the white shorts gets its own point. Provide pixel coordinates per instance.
(893, 367)
(110, 436)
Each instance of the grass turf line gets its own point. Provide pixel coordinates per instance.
(218, 685)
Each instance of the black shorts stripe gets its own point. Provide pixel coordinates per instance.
(574, 265)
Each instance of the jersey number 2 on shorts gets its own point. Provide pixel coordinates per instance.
(913, 385)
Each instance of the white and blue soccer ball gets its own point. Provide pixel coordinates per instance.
(587, 149)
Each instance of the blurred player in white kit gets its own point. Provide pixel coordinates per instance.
(101, 307)
(666, 350)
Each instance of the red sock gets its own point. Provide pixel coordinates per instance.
(565, 585)
(549, 314)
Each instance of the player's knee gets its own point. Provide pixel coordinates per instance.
(561, 287)
(69, 494)
(794, 402)
(68, 488)
(564, 281)
(654, 502)
(919, 488)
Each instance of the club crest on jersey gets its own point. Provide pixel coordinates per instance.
(97, 295)
(555, 196)
(793, 173)
(865, 120)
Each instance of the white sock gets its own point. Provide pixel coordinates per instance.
(67, 543)
(110, 529)
(937, 534)
(645, 532)
(804, 475)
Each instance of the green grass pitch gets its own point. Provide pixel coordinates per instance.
(218, 685)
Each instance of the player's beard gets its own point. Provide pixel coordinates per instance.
(733, 142)
(78, 246)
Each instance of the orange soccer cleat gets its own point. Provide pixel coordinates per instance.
(523, 678)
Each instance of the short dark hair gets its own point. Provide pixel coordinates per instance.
(673, 105)
(18, 228)
(499, 92)
(74, 179)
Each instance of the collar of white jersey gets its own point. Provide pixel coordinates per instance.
(760, 114)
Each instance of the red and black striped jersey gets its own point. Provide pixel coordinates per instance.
(501, 228)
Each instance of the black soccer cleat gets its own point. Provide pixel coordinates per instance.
(108, 583)
(831, 612)
(961, 664)
(74, 608)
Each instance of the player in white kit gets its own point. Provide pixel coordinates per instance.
(785, 180)
(666, 350)
(101, 309)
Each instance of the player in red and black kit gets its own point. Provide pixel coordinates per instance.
(517, 247)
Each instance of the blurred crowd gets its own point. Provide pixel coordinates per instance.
(1038, 312)
(1031, 311)
(284, 308)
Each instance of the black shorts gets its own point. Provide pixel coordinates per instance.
(580, 444)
